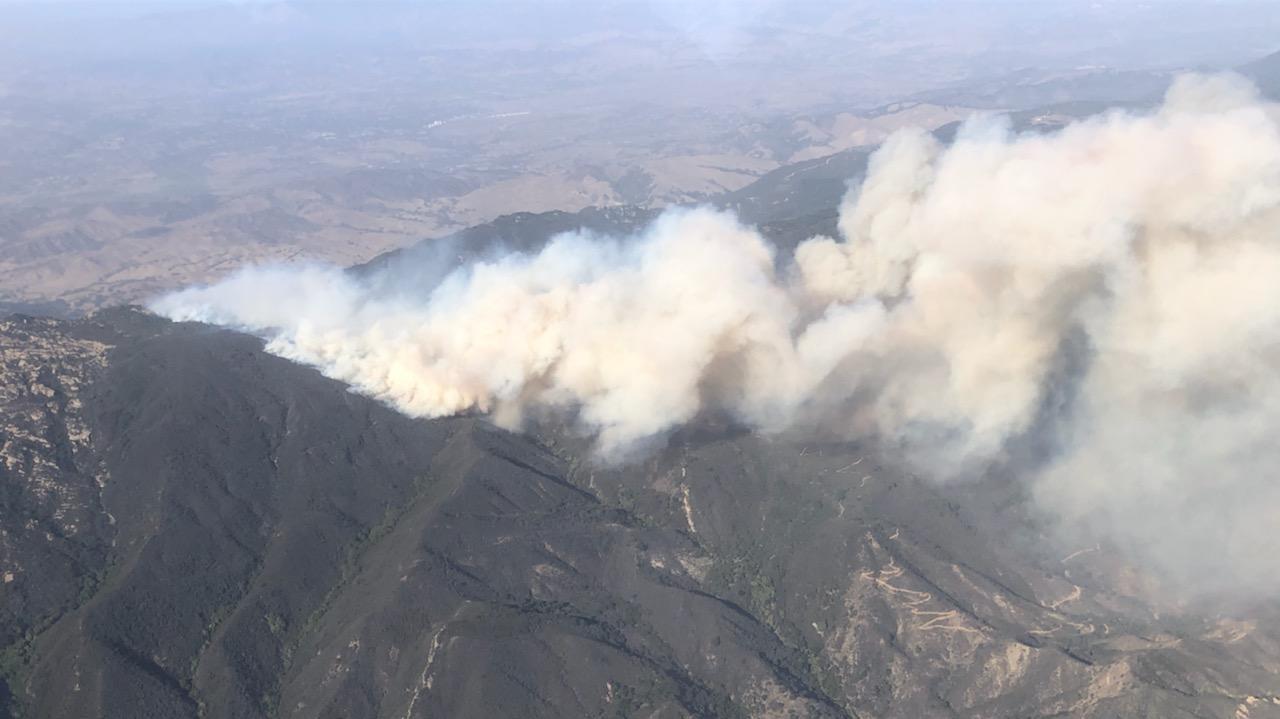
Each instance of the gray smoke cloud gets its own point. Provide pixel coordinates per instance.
(1115, 285)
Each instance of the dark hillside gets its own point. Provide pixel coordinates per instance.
(266, 543)
(1266, 73)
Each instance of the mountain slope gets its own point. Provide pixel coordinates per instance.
(270, 544)
(263, 536)
(1265, 72)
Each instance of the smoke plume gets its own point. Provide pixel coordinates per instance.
(1113, 286)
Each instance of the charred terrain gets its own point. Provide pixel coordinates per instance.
(192, 527)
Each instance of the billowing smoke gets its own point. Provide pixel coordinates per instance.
(1112, 288)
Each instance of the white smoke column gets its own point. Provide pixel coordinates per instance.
(1144, 248)
(623, 333)
(1158, 238)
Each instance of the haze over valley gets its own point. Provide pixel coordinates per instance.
(640, 358)
(147, 146)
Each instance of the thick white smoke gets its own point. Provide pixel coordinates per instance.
(1115, 285)
(623, 333)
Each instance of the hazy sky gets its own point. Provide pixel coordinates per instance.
(1237, 26)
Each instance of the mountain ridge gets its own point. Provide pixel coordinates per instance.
(279, 546)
